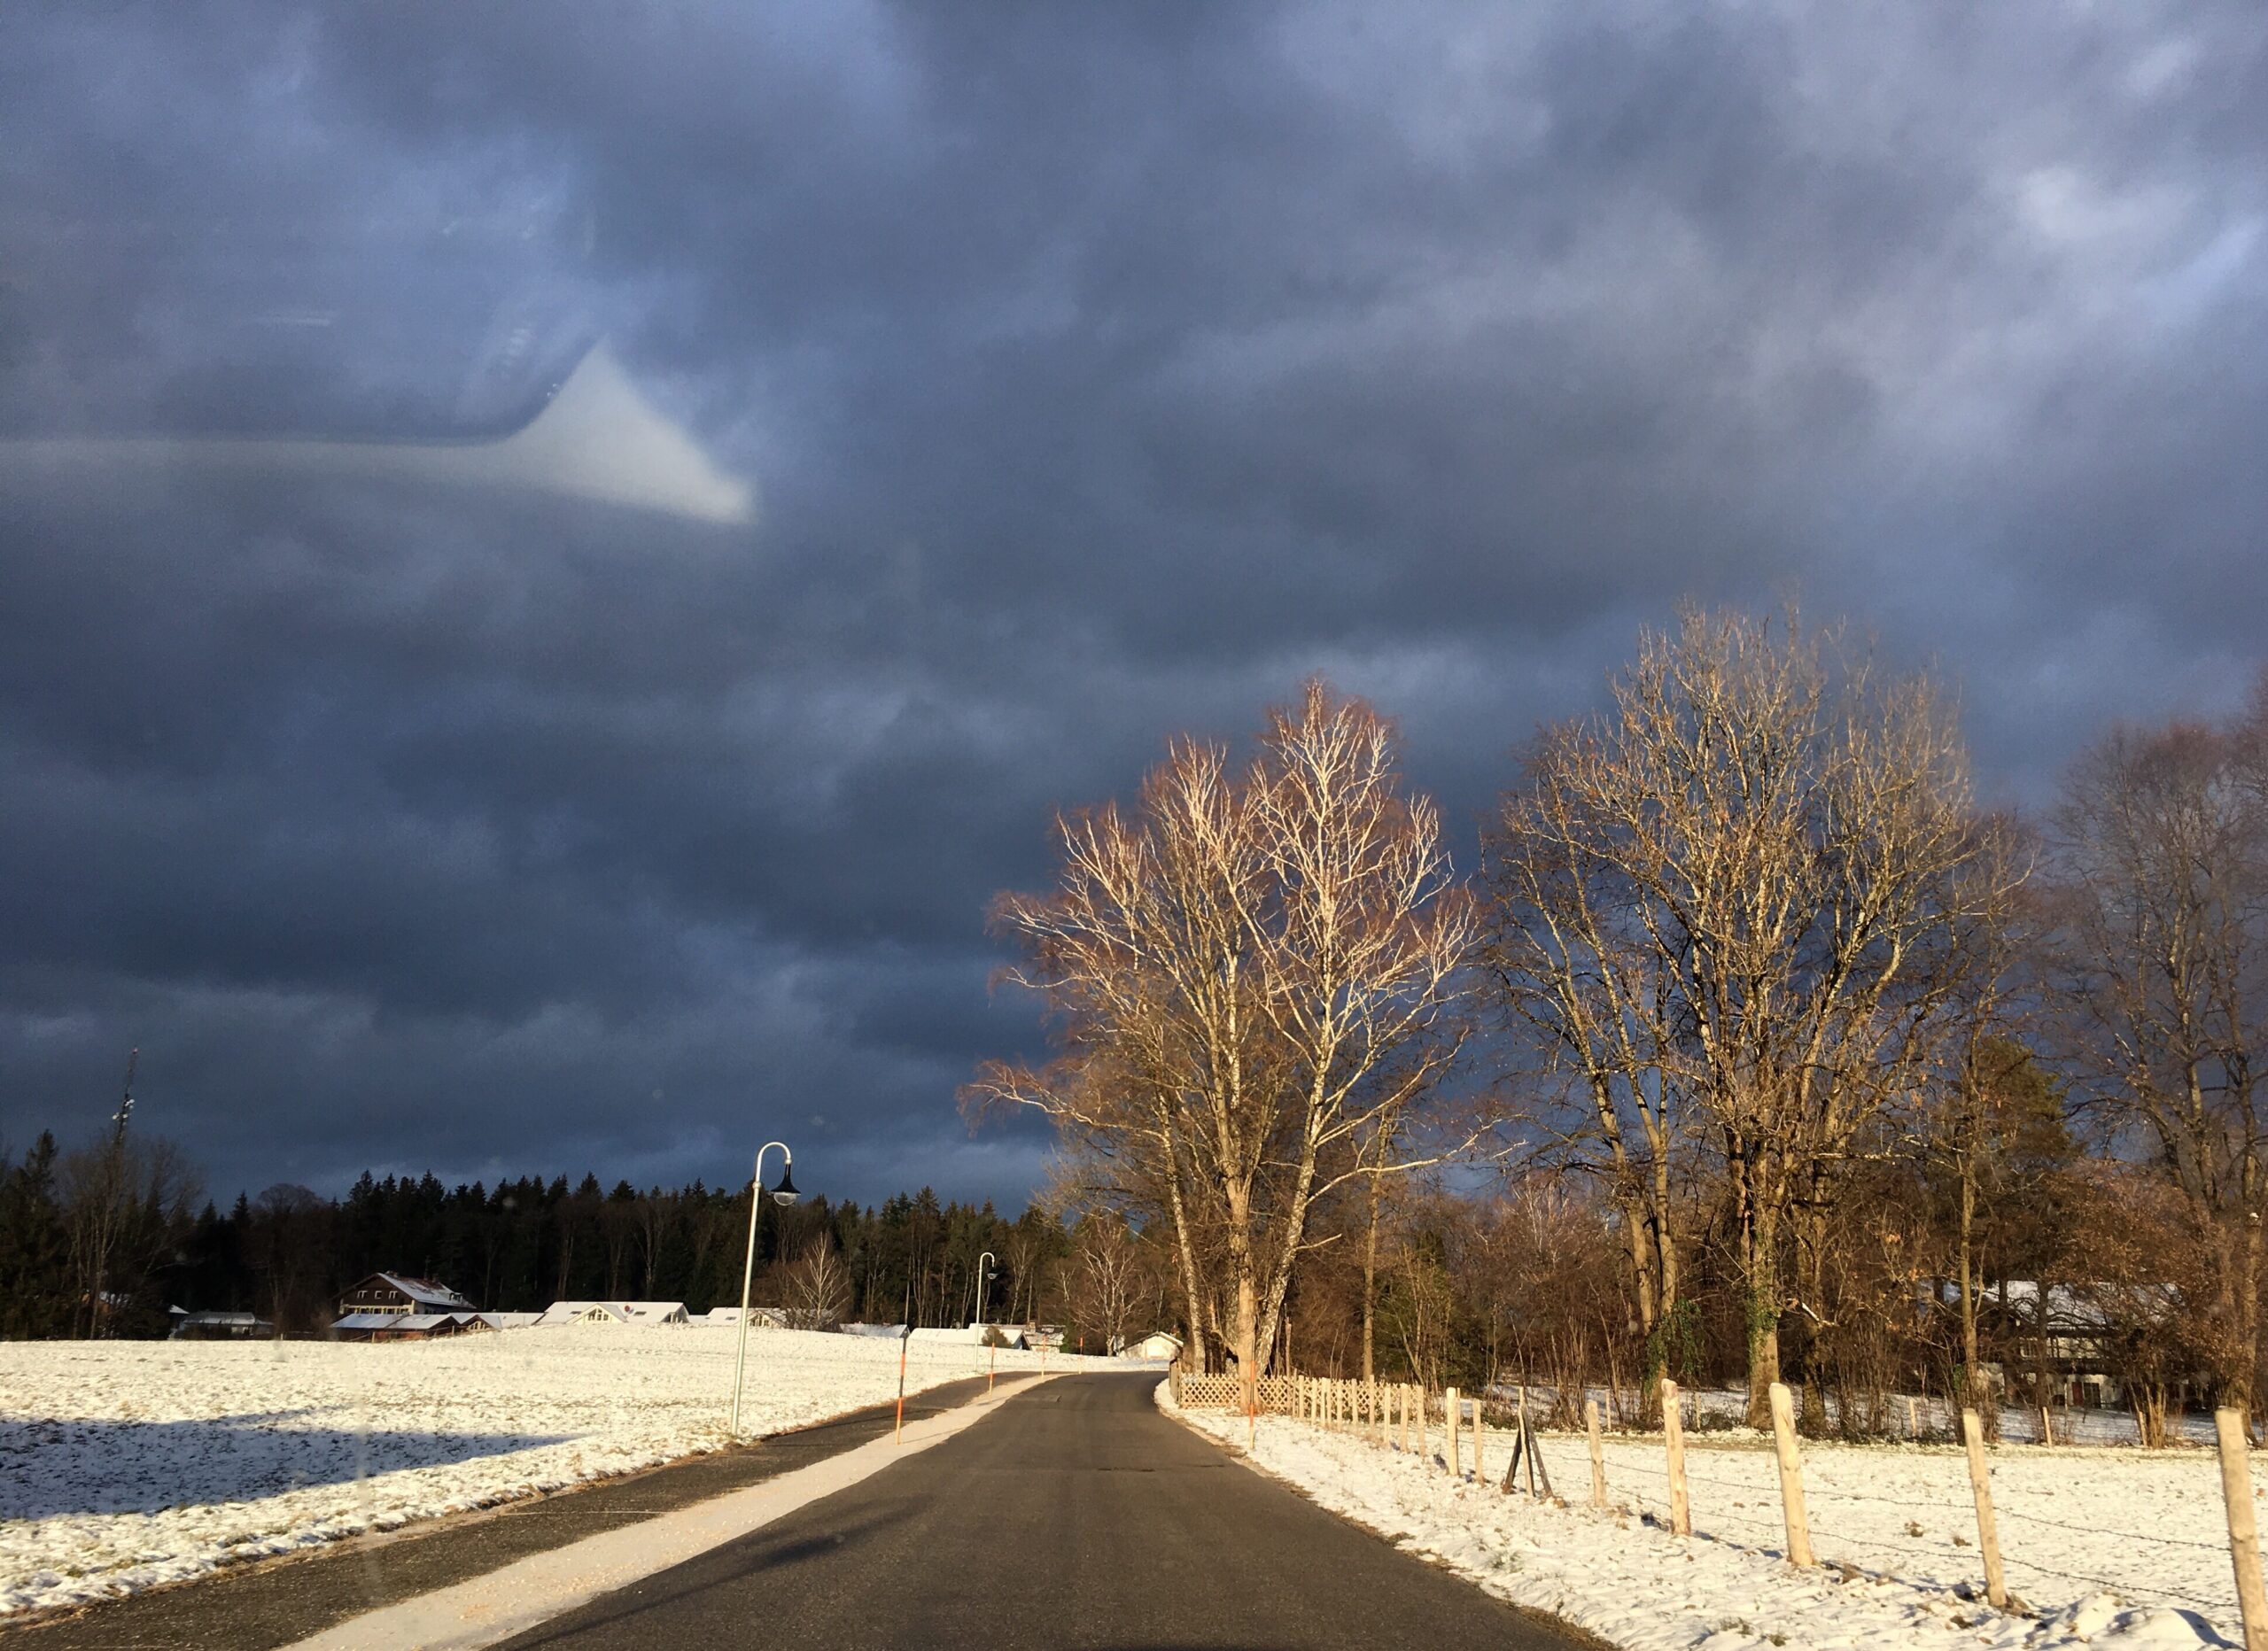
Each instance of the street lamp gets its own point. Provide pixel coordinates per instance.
(783, 1194)
(984, 1265)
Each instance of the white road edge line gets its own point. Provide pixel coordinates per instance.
(487, 1610)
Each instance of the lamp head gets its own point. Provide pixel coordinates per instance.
(785, 1192)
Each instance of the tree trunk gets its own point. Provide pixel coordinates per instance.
(1370, 1285)
(1761, 1270)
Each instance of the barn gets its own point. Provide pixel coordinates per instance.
(399, 1292)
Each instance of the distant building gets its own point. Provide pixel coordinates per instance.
(640, 1313)
(728, 1318)
(503, 1321)
(417, 1326)
(1156, 1345)
(218, 1326)
(398, 1292)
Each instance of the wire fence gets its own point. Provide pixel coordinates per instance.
(2147, 1527)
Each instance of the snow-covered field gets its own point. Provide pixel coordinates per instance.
(125, 1464)
(2118, 1548)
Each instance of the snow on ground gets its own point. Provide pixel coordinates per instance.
(125, 1464)
(2122, 1548)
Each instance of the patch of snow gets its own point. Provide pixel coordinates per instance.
(2123, 1549)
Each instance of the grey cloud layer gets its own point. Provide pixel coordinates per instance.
(1097, 377)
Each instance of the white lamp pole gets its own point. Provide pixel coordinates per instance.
(785, 1194)
(984, 1265)
(983, 1287)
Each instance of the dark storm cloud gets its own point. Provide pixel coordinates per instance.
(1095, 375)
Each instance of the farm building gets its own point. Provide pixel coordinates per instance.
(398, 1292)
(217, 1326)
(641, 1313)
(398, 1326)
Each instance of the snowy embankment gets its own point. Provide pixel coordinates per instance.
(2115, 1548)
(127, 1464)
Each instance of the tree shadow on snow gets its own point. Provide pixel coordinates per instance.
(50, 1467)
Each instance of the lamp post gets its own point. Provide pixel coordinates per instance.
(783, 1194)
(984, 1265)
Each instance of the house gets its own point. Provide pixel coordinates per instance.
(398, 1292)
(217, 1326)
(642, 1313)
(503, 1321)
(1157, 1345)
(880, 1332)
(758, 1318)
(1010, 1335)
(2067, 1339)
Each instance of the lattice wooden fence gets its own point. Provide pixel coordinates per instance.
(1225, 1392)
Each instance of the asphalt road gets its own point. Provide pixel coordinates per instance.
(1075, 1516)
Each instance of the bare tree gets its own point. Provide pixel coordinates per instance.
(1770, 854)
(2162, 843)
(287, 1244)
(123, 1201)
(1107, 1277)
(817, 1288)
(1246, 978)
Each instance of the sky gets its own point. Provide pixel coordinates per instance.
(957, 401)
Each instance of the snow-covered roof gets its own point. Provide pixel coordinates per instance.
(367, 1320)
(427, 1321)
(614, 1312)
(507, 1321)
(422, 1291)
(892, 1331)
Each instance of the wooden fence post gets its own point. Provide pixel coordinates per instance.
(1598, 1455)
(1453, 1416)
(1480, 1403)
(1792, 1477)
(1419, 1395)
(1681, 1508)
(2244, 1536)
(1980, 1486)
(2046, 1430)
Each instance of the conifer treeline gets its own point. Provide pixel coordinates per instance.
(516, 1245)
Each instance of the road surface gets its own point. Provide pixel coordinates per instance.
(1075, 1516)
